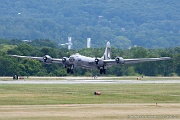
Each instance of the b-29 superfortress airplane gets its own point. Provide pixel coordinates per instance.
(77, 60)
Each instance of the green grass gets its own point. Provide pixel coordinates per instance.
(84, 94)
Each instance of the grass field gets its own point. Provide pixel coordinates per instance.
(28, 94)
(78, 102)
(91, 112)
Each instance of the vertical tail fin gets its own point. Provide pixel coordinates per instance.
(107, 53)
(69, 43)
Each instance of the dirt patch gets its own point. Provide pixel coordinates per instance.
(92, 111)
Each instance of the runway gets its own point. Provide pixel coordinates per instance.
(91, 82)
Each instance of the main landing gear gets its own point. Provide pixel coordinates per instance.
(102, 71)
(70, 70)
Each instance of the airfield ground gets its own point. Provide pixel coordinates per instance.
(77, 101)
(91, 111)
(91, 78)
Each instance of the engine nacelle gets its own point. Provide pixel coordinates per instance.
(99, 62)
(96, 61)
(119, 60)
(65, 61)
(47, 59)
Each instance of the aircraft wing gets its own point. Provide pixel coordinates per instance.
(46, 57)
(138, 60)
(55, 60)
(37, 58)
(132, 61)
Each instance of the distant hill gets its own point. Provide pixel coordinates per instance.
(125, 23)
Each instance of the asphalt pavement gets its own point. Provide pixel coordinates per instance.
(90, 82)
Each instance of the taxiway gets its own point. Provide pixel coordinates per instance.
(91, 82)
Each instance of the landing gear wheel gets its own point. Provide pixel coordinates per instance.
(68, 70)
(102, 71)
(72, 71)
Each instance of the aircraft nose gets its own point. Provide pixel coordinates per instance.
(71, 59)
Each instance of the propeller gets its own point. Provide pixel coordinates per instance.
(64, 60)
(96, 61)
(119, 60)
(45, 58)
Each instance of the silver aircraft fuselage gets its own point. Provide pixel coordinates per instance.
(83, 61)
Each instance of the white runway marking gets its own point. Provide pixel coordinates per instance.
(90, 82)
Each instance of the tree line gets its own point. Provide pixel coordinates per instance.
(147, 23)
(25, 67)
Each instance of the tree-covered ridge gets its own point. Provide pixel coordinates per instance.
(26, 67)
(152, 24)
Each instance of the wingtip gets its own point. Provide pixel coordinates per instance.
(167, 58)
(11, 55)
